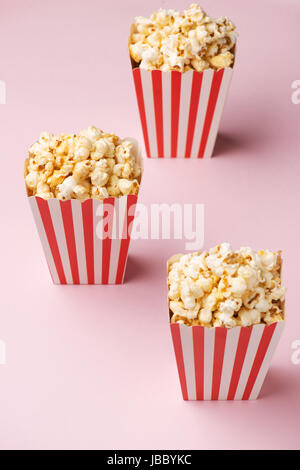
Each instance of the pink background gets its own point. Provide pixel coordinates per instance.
(93, 367)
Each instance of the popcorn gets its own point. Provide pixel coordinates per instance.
(92, 133)
(249, 317)
(66, 188)
(227, 288)
(199, 64)
(222, 60)
(205, 316)
(82, 191)
(113, 186)
(127, 186)
(92, 164)
(55, 179)
(82, 170)
(238, 285)
(32, 179)
(99, 177)
(170, 40)
(102, 148)
(81, 153)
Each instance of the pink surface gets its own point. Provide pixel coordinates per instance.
(93, 366)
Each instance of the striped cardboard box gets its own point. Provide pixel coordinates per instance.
(85, 242)
(180, 112)
(224, 364)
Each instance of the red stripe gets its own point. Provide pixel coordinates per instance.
(51, 237)
(240, 354)
(131, 201)
(66, 212)
(175, 105)
(198, 343)
(141, 104)
(220, 341)
(175, 331)
(108, 217)
(158, 108)
(214, 93)
(87, 218)
(260, 355)
(194, 103)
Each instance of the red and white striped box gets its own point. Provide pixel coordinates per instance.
(76, 251)
(224, 364)
(86, 242)
(180, 112)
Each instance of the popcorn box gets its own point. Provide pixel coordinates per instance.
(85, 242)
(224, 364)
(180, 112)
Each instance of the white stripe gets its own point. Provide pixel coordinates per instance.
(232, 339)
(131, 212)
(203, 102)
(79, 239)
(56, 216)
(125, 264)
(186, 334)
(267, 360)
(118, 223)
(223, 92)
(184, 110)
(209, 346)
(43, 238)
(146, 79)
(98, 238)
(166, 93)
(249, 358)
